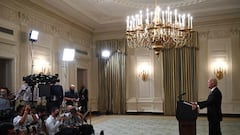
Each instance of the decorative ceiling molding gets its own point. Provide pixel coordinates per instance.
(145, 4)
(103, 15)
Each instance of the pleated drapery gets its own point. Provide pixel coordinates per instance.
(112, 85)
(179, 74)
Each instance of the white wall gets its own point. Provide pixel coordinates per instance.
(55, 33)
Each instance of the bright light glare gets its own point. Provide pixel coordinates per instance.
(68, 54)
(105, 53)
(144, 67)
(34, 35)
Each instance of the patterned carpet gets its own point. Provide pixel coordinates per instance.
(155, 125)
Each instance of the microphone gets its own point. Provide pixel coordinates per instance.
(184, 93)
(181, 95)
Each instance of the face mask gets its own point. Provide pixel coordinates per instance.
(3, 94)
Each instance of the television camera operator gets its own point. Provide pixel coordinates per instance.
(28, 93)
(56, 95)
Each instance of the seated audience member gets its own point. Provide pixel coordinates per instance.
(7, 129)
(67, 112)
(6, 108)
(10, 96)
(74, 118)
(72, 122)
(25, 120)
(53, 122)
(42, 116)
(4, 101)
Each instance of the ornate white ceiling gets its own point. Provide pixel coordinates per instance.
(107, 15)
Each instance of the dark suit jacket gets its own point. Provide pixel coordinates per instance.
(83, 95)
(57, 90)
(213, 104)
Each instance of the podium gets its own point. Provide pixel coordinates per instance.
(186, 118)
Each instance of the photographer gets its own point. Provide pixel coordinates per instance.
(54, 121)
(25, 119)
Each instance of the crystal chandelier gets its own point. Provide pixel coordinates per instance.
(159, 29)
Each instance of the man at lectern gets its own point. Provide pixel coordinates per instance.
(213, 104)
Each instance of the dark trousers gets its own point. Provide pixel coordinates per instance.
(84, 107)
(214, 128)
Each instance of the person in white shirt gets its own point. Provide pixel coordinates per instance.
(25, 93)
(24, 118)
(53, 121)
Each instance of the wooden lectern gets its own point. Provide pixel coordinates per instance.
(186, 118)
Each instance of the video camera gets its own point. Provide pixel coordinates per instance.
(34, 79)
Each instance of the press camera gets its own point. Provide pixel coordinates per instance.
(34, 79)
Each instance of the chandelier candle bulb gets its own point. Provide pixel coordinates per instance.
(141, 17)
(147, 20)
(151, 20)
(159, 15)
(171, 17)
(163, 17)
(188, 16)
(183, 21)
(191, 18)
(168, 17)
(175, 17)
(179, 19)
(127, 21)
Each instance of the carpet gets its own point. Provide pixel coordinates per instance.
(155, 125)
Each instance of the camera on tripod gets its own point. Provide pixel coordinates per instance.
(34, 79)
(31, 128)
(28, 129)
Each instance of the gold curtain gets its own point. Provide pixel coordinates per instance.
(111, 73)
(179, 74)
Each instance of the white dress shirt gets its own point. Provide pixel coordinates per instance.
(26, 93)
(52, 125)
(16, 120)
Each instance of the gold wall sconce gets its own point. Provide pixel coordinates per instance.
(42, 66)
(144, 71)
(219, 68)
(144, 75)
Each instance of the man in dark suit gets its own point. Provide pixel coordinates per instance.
(213, 104)
(83, 99)
(57, 94)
